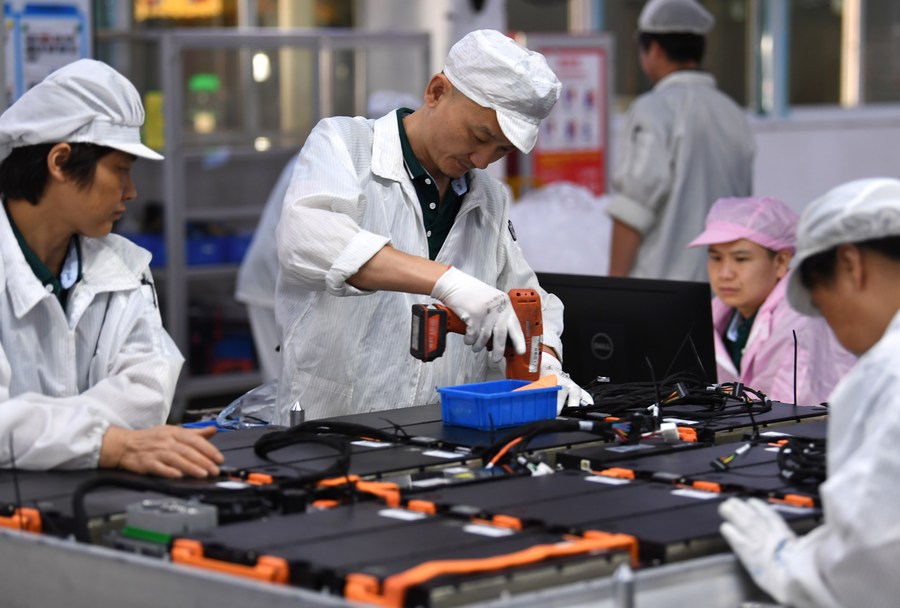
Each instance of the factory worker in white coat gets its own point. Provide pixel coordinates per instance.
(683, 145)
(382, 214)
(87, 372)
(255, 285)
(846, 269)
(760, 340)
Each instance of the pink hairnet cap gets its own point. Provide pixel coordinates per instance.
(496, 72)
(766, 221)
(85, 101)
(860, 210)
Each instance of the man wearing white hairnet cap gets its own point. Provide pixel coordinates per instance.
(683, 146)
(760, 340)
(87, 371)
(846, 269)
(382, 214)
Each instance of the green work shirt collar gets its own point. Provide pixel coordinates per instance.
(736, 335)
(69, 274)
(437, 215)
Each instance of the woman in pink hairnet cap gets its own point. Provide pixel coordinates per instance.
(750, 244)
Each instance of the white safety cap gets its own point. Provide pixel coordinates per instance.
(85, 101)
(861, 210)
(675, 17)
(496, 72)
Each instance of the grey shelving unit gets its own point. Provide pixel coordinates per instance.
(275, 85)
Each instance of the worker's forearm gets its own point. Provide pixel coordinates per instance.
(625, 243)
(393, 270)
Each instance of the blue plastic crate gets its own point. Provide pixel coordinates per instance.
(493, 405)
(154, 243)
(203, 250)
(238, 244)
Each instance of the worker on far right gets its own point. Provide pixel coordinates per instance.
(846, 270)
(684, 145)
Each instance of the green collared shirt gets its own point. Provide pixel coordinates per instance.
(70, 274)
(736, 335)
(437, 215)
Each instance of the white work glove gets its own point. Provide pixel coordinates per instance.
(570, 394)
(758, 535)
(486, 311)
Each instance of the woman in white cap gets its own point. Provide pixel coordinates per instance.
(760, 340)
(87, 372)
(400, 211)
(847, 269)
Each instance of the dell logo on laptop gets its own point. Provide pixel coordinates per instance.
(602, 346)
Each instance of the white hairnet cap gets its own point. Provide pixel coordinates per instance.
(496, 72)
(857, 211)
(675, 17)
(83, 102)
(764, 220)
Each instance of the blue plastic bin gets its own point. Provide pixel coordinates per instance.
(154, 243)
(238, 244)
(493, 405)
(203, 250)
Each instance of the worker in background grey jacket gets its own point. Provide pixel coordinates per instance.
(683, 146)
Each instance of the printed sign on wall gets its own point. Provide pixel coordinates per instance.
(41, 38)
(573, 143)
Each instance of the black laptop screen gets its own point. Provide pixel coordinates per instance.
(613, 325)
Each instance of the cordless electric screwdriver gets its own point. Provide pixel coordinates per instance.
(432, 323)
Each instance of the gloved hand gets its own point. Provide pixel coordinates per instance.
(758, 536)
(485, 310)
(570, 394)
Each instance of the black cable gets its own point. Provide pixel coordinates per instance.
(691, 396)
(687, 338)
(803, 462)
(795, 367)
(276, 440)
(698, 358)
(399, 431)
(349, 429)
(657, 404)
(528, 432)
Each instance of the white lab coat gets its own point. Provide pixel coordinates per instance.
(683, 145)
(66, 376)
(256, 279)
(767, 363)
(851, 559)
(347, 351)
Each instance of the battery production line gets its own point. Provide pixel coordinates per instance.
(615, 504)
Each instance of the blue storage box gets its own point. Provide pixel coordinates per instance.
(238, 244)
(202, 250)
(493, 405)
(154, 243)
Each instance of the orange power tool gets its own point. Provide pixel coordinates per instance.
(431, 323)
